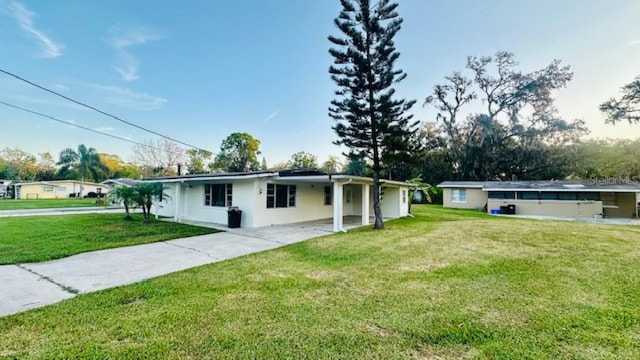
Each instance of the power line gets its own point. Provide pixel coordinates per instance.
(100, 111)
(75, 125)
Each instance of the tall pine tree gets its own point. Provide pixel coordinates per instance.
(371, 122)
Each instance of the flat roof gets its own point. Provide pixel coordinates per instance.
(607, 185)
(308, 175)
(463, 184)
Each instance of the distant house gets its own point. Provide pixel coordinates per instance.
(111, 183)
(576, 199)
(278, 197)
(57, 189)
(4, 188)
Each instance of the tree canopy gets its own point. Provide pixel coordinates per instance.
(159, 158)
(370, 118)
(303, 160)
(199, 161)
(627, 107)
(515, 135)
(238, 153)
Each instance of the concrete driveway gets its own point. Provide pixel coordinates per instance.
(28, 286)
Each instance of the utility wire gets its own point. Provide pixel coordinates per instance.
(75, 125)
(100, 111)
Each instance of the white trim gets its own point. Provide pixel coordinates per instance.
(460, 187)
(561, 190)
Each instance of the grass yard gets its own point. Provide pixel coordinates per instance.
(443, 285)
(24, 204)
(41, 238)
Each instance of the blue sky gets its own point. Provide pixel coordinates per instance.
(200, 70)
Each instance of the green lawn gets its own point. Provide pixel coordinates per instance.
(10, 204)
(39, 238)
(443, 285)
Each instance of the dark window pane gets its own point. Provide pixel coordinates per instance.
(218, 194)
(528, 195)
(327, 195)
(281, 196)
(502, 195)
(567, 196)
(549, 195)
(589, 196)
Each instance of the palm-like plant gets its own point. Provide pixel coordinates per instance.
(418, 185)
(146, 194)
(85, 162)
(126, 196)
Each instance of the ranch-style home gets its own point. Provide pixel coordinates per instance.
(575, 199)
(57, 189)
(278, 197)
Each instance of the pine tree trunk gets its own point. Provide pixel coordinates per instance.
(377, 210)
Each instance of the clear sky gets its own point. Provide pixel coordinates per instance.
(200, 70)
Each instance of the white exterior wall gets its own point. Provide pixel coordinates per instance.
(559, 208)
(392, 202)
(352, 206)
(476, 199)
(309, 205)
(192, 205)
(166, 207)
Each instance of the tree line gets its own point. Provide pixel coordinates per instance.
(493, 120)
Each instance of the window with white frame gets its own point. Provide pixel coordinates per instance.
(220, 195)
(459, 195)
(281, 196)
(404, 196)
(47, 188)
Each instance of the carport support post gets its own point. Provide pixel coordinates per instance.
(365, 204)
(337, 206)
(176, 207)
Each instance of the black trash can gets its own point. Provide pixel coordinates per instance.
(508, 210)
(234, 217)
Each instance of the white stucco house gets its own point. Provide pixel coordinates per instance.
(278, 197)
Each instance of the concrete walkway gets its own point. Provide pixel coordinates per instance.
(62, 211)
(28, 286)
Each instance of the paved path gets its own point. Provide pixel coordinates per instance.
(62, 211)
(28, 286)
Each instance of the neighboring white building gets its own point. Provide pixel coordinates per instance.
(574, 199)
(278, 197)
(57, 189)
(4, 187)
(111, 183)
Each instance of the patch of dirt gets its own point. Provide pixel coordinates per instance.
(381, 331)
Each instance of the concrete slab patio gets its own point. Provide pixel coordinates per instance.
(27, 286)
